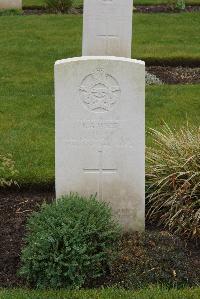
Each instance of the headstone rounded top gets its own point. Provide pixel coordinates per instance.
(99, 58)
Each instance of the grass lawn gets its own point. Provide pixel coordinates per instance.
(27, 124)
(26, 91)
(136, 2)
(152, 293)
(167, 36)
(174, 104)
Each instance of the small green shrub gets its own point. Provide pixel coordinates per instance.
(7, 171)
(177, 4)
(69, 243)
(153, 258)
(10, 12)
(59, 5)
(173, 180)
(180, 5)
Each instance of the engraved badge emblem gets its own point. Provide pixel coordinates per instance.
(99, 91)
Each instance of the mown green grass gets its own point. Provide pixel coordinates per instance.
(27, 57)
(136, 2)
(151, 293)
(174, 104)
(167, 36)
(33, 2)
(27, 124)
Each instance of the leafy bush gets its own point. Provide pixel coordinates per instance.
(69, 243)
(177, 4)
(154, 258)
(10, 12)
(7, 171)
(59, 5)
(173, 180)
(180, 5)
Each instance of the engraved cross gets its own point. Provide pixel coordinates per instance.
(108, 39)
(100, 171)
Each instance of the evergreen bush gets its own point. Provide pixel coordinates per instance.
(69, 243)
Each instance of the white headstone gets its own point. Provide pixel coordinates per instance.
(107, 28)
(9, 4)
(100, 133)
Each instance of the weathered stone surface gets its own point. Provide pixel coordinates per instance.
(8, 4)
(107, 28)
(100, 135)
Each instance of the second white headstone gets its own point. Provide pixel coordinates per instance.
(9, 4)
(107, 28)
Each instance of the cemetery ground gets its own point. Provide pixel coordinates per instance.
(156, 293)
(29, 3)
(27, 122)
(27, 95)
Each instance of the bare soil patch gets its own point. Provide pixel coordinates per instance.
(15, 207)
(137, 9)
(42, 10)
(176, 75)
(164, 9)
